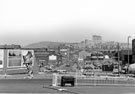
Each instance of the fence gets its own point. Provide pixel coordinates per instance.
(82, 80)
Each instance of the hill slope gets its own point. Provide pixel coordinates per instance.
(45, 44)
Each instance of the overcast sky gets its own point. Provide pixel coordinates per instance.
(27, 21)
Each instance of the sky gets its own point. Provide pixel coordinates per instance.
(28, 21)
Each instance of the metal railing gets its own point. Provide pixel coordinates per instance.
(110, 80)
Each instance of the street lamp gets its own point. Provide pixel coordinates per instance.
(128, 49)
(118, 47)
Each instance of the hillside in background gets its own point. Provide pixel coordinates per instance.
(45, 44)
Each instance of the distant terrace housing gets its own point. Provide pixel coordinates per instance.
(13, 46)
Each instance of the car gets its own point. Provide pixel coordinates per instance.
(55, 71)
(47, 70)
(123, 71)
(62, 71)
(67, 65)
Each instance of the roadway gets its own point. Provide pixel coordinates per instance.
(25, 86)
(44, 86)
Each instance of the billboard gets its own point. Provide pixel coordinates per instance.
(27, 57)
(14, 58)
(1, 58)
(17, 58)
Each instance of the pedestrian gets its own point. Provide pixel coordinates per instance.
(29, 71)
(28, 61)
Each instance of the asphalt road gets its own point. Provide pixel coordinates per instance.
(25, 86)
(44, 86)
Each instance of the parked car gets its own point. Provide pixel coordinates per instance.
(62, 71)
(124, 70)
(48, 70)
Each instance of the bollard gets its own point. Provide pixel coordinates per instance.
(55, 79)
(5, 75)
(76, 78)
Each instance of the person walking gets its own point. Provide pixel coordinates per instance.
(28, 61)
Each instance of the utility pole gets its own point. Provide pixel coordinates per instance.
(68, 53)
(128, 49)
(118, 59)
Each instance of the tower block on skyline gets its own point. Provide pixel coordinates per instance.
(133, 50)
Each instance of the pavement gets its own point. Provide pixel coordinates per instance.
(42, 75)
(23, 76)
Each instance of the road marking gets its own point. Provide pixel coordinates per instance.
(62, 89)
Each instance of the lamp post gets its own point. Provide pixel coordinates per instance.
(118, 57)
(128, 49)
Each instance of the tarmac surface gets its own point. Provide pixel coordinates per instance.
(44, 86)
(42, 83)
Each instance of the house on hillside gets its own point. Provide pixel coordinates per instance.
(83, 54)
(96, 55)
(48, 58)
(13, 46)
